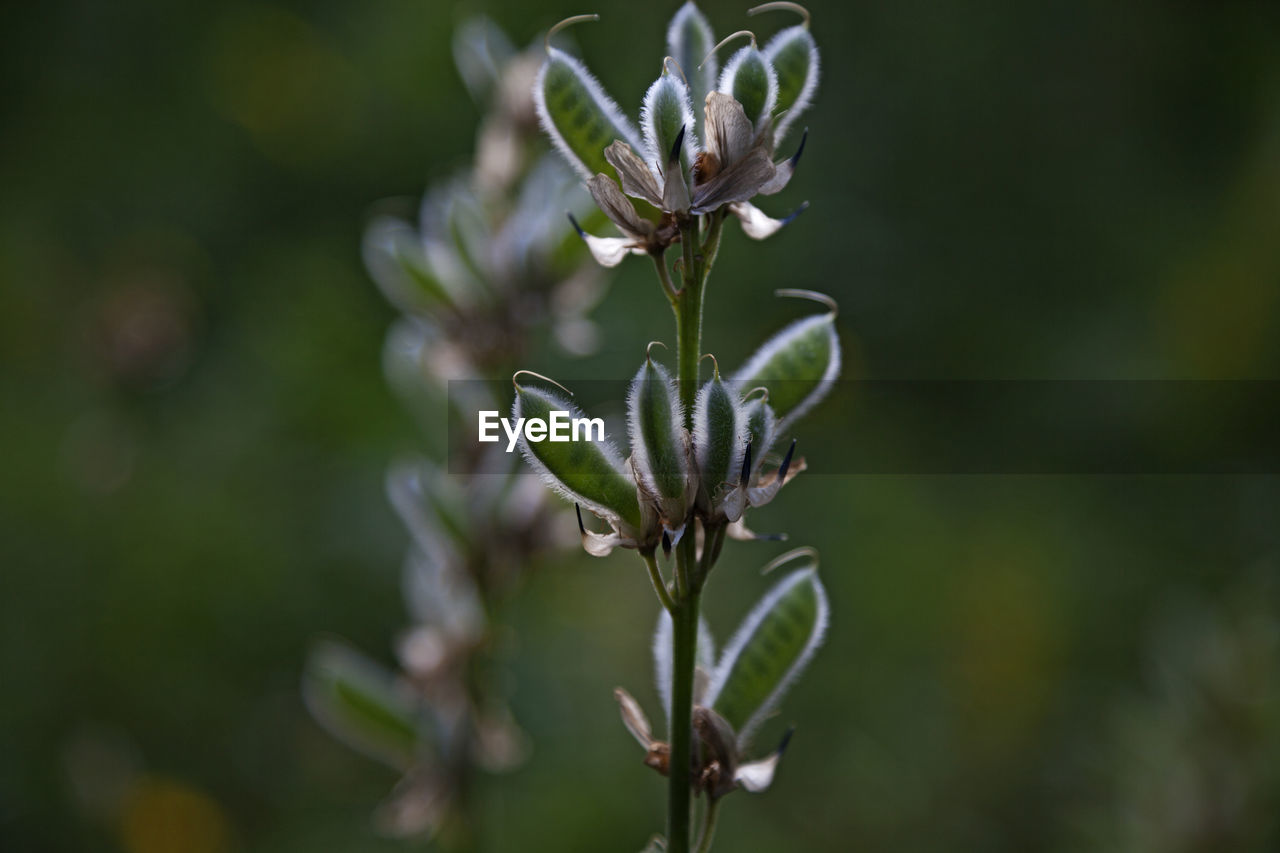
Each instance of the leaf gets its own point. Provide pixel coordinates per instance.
(590, 473)
(797, 365)
(769, 651)
(704, 659)
(362, 704)
(794, 57)
(689, 41)
(659, 450)
(580, 118)
(749, 78)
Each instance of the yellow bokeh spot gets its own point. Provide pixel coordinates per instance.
(165, 815)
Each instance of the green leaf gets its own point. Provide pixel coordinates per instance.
(794, 56)
(689, 41)
(769, 651)
(362, 704)
(590, 473)
(797, 365)
(580, 118)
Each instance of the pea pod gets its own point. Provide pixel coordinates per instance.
(749, 78)
(689, 42)
(797, 365)
(794, 57)
(719, 435)
(580, 118)
(665, 112)
(659, 443)
(770, 650)
(590, 473)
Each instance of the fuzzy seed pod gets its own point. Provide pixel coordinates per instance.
(769, 651)
(665, 114)
(719, 436)
(659, 443)
(589, 473)
(580, 118)
(794, 57)
(689, 41)
(749, 78)
(797, 365)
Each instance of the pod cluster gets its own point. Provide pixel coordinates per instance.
(710, 464)
(706, 136)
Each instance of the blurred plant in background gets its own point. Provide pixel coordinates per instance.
(485, 272)
(1191, 764)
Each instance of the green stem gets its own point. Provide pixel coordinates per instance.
(689, 320)
(708, 832)
(659, 585)
(684, 638)
(695, 266)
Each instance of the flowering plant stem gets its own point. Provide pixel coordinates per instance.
(695, 267)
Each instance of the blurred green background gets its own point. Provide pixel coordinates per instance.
(195, 428)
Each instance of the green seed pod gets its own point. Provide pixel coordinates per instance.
(590, 473)
(794, 57)
(761, 426)
(750, 79)
(580, 118)
(659, 443)
(362, 704)
(719, 435)
(689, 41)
(666, 112)
(797, 365)
(769, 651)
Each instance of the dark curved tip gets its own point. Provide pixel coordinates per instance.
(675, 149)
(786, 462)
(576, 226)
(786, 739)
(666, 544)
(746, 467)
(581, 527)
(791, 217)
(795, 158)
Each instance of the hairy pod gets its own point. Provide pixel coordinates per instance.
(666, 113)
(797, 365)
(577, 114)
(689, 40)
(719, 436)
(794, 57)
(749, 78)
(590, 473)
(659, 443)
(769, 652)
